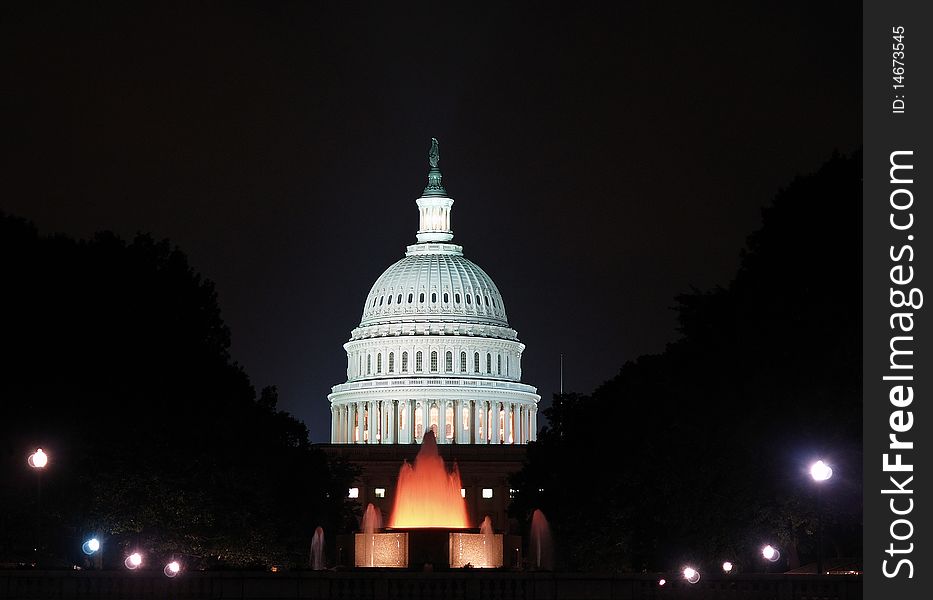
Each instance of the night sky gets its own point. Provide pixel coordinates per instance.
(602, 159)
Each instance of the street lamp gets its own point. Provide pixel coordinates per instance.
(727, 567)
(133, 561)
(691, 575)
(172, 569)
(92, 547)
(820, 472)
(38, 461)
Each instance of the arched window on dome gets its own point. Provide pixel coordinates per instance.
(392, 362)
(446, 298)
(463, 362)
(419, 361)
(434, 361)
(381, 300)
(390, 299)
(476, 362)
(508, 363)
(488, 363)
(449, 362)
(410, 297)
(421, 297)
(404, 362)
(457, 298)
(478, 301)
(369, 364)
(379, 363)
(433, 297)
(494, 303)
(399, 299)
(469, 301)
(498, 362)
(487, 300)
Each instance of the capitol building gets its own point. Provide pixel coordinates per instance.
(434, 350)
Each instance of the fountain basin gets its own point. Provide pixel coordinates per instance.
(439, 548)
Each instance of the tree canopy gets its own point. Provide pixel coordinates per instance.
(701, 453)
(116, 361)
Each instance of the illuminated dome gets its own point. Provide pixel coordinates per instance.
(434, 349)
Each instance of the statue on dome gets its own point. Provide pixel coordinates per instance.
(434, 155)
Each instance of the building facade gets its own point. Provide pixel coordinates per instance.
(434, 351)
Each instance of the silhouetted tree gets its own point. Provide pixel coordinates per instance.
(711, 438)
(116, 360)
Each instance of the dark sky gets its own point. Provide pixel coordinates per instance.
(602, 159)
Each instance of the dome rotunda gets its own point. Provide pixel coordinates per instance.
(434, 349)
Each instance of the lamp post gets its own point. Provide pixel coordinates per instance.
(38, 461)
(820, 472)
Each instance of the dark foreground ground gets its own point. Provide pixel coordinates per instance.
(404, 585)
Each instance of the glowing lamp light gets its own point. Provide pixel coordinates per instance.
(820, 471)
(90, 546)
(662, 581)
(133, 561)
(172, 569)
(727, 567)
(691, 575)
(770, 553)
(38, 459)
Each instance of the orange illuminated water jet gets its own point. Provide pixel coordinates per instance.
(426, 494)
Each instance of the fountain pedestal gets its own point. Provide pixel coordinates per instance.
(429, 548)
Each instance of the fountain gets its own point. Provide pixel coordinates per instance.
(317, 550)
(427, 495)
(541, 546)
(429, 524)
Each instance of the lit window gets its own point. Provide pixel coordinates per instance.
(512, 492)
(380, 492)
(449, 362)
(354, 493)
(419, 361)
(462, 493)
(434, 362)
(404, 362)
(487, 492)
(465, 417)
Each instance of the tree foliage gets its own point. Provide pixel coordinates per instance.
(701, 452)
(116, 361)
